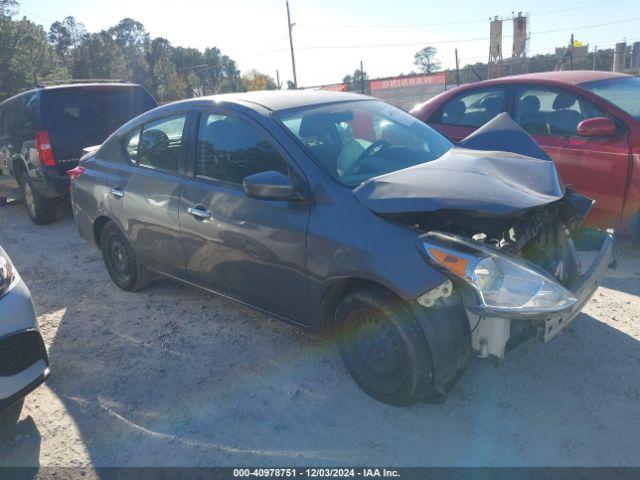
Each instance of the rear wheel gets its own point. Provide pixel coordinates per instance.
(383, 347)
(9, 417)
(41, 209)
(3, 201)
(124, 268)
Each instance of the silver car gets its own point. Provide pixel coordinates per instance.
(24, 364)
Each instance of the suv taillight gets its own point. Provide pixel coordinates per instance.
(43, 145)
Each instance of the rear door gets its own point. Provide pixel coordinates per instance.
(464, 113)
(596, 166)
(79, 117)
(250, 249)
(145, 191)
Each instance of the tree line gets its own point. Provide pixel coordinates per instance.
(30, 55)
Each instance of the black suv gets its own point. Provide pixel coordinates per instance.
(43, 132)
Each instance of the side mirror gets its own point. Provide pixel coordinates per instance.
(596, 127)
(269, 186)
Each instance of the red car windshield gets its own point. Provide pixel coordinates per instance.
(624, 93)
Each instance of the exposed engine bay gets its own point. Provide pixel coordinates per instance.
(542, 235)
(505, 231)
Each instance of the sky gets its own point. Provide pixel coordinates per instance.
(331, 37)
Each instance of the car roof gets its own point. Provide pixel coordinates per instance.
(275, 100)
(71, 86)
(101, 85)
(564, 76)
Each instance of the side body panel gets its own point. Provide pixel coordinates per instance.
(148, 214)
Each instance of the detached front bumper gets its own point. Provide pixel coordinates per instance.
(593, 241)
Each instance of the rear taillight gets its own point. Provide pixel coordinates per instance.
(45, 152)
(74, 174)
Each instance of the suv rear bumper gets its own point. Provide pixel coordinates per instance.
(50, 183)
(47, 181)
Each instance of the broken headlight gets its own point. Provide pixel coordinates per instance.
(501, 284)
(7, 273)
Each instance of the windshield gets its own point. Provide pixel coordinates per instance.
(624, 93)
(358, 140)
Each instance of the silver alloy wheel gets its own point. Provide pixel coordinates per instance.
(28, 196)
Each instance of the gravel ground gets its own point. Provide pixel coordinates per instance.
(173, 376)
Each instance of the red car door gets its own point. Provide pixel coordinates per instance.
(464, 113)
(596, 166)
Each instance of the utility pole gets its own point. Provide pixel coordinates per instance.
(457, 69)
(293, 58)
(361, 78)
(278, 80)
(571, 53)
(595, 55)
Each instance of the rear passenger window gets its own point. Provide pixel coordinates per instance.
(158, 144)
(229, 149)
(546, 111)
(475, 108)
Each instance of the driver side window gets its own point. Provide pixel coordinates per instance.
(229, 149)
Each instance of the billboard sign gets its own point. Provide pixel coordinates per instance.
(406, 92)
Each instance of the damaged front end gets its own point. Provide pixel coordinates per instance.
(510, 296)
(504, 230)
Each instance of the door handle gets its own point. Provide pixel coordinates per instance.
(117, 192)
(199, 212)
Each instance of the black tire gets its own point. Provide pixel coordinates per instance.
(3, 201)
(9, 416)
(635, 227)
(383, 347)
(124, 268)
(41, 210)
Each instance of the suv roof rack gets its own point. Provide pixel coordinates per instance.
(49, 83)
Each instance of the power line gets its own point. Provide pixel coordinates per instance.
(442, 24)
(436, 42)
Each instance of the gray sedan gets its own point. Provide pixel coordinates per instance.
(24, 364)
(342, 213)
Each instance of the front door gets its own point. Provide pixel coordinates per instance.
(250, 249)
(145, 192)
(597, 166)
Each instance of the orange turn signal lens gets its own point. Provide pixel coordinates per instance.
(452, 263)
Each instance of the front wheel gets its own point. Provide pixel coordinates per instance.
(3, 201)
(41, 210)
(383, 347)
(124, 268)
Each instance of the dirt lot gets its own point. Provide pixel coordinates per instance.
(175, 376)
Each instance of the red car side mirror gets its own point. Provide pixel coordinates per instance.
(596, 127)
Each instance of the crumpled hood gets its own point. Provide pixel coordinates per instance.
(483, 182)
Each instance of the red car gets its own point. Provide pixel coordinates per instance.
(587, 121)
